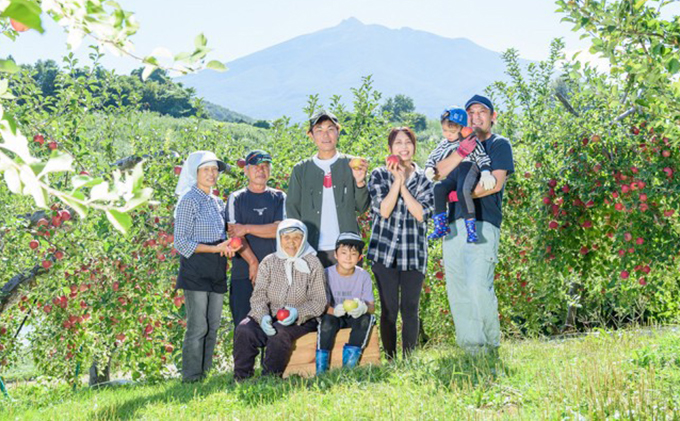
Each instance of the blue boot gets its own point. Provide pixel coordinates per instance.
(322, 360)
(471, 227)
(350, 355)
(441, 226)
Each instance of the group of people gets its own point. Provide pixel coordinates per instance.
(297, 257)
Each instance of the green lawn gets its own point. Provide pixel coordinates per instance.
(615, 375)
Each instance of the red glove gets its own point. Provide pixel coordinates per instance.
(466, 146)
(453, 196)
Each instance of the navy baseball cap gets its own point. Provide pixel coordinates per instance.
(478, 99)
(455, 115)
(257, 157)
(349, 239)
(321, 115)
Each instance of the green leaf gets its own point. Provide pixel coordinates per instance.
(8, 66)
(200, 41)
(58, 162)
(148, 69)
(13, 181)
(121, 221)
(26, 12)
(673, 65)
(80, 181)
(216, 65)
(73, 203)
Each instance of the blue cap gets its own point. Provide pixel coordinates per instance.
(478, 99)
(455, 115)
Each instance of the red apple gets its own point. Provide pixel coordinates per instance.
(215, 192)
(169, 348)
(47, 308)
(666, 153)
(84, 173)
(241, 163)
(235, 242)
(553, 225)
(466, 131)
(64, 215)
(59, 254)
(178, 301)
(18, 26)
(39, 139)
(439, 275)
(668, 171)
(639, 241)
(34, 244)
(627, 236)
(642, 281)
(393, 159)
(42, 222)
(52, 145)
(624, 274)
(552, 183)
(46, 264)
(282, 314)
(177, 169)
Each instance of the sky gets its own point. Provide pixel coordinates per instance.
(237, 28)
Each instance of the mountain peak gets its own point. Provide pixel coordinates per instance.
(350, 22)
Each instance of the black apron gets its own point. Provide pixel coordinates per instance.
(203, 272)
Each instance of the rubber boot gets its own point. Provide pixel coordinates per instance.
(471, 227)
(322, 360)
(441, 226)
(350, 355)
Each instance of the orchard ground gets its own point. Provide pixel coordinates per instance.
(633, 374)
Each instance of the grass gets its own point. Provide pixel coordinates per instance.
(615, 375)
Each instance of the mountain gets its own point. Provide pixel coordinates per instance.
(435, 71)
(219, 113)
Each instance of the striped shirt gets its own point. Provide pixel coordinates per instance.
(307, 292)
(400, 239)
(446, 148)
(200, 219)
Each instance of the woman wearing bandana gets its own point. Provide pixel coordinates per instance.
(290, 279)
(200, 234)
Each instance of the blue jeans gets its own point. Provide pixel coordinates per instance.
(204, 313)
(469, 271)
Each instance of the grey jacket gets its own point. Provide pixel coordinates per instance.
(305, 193)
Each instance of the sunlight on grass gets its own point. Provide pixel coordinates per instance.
(630, 374)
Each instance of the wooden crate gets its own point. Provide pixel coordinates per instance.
(303, 360)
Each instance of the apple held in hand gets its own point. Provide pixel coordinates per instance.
(356, 163)
(466, 131)
(393, 159)
(349, 305)
(235, 242)
(282, 314)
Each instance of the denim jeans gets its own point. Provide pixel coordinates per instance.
(204, 312)
(469, 271)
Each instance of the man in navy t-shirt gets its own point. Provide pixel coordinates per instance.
(470, 266)
(253, 213)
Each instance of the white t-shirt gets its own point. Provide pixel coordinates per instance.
(330, 228)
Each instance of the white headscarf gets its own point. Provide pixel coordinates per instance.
(304, 249)
(188, 176)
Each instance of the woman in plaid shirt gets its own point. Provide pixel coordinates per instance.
(401, 203)
(292, 280)
(200, 234)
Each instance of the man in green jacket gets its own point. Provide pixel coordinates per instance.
(325, 191)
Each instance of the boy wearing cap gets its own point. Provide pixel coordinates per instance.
(324, 191)
(470, 267)
(463, 179)
(350, 304)
(253, 214)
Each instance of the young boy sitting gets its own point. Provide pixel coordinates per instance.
(463, 179)
(351, 304)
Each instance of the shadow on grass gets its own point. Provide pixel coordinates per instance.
(250, 393)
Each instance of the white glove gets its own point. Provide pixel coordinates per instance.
(488, 181)
(266, 325)
(361, 309)
(429, 173)
(339, 310)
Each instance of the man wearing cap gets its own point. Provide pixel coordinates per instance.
(470, 266)
(324, 191)
(253, 214)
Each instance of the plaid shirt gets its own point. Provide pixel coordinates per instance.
(307, 292)
(446, 148)
(400, 236)
(200, 220)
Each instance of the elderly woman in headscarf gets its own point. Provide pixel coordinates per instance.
(291, 283)
(200, 238)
